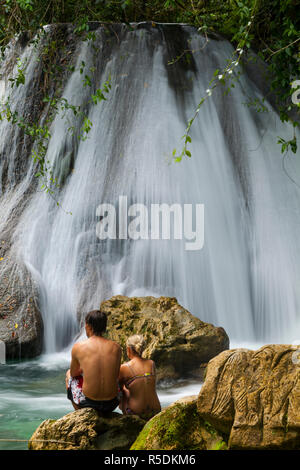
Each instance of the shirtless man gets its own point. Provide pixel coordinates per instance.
(92, 380)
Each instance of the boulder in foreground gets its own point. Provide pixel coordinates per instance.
(254, 397)
(85, 430)
(176, 340)
(179, 427)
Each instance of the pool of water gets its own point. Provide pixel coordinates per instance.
(33, 391)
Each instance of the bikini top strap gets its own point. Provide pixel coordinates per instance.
(137, 375)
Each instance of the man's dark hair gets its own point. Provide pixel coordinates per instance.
(97, 320)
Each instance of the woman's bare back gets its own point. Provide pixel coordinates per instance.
(138, 379)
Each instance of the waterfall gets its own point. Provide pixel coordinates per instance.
(246, 277)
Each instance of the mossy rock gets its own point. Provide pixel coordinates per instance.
(85, 430)
(179, 427)
(177, 341)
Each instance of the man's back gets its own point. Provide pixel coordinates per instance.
(99, 360)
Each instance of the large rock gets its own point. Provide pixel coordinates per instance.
(21, 326)
(254, 397)
(85, 430)
(179, 427)
(176, 340)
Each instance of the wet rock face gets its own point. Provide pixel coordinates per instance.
(177, 341)
(254, 397)
(85, 430)
(21, 326)
(179, 427)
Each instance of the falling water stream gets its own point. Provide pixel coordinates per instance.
(246, 277)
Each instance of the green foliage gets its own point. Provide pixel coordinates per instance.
(20, 78)
(286, 144)
(270, 27)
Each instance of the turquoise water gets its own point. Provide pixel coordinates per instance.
(30, 392)
(33, 391)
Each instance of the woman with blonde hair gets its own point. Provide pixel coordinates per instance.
(137, 381)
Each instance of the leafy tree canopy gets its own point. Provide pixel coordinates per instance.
(270, 27)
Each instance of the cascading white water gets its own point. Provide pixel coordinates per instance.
(246, 278)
